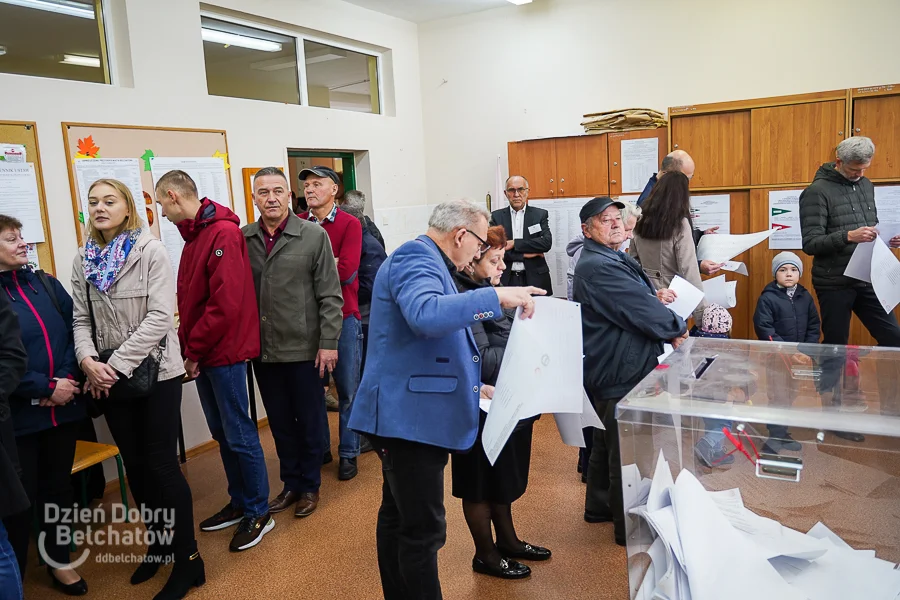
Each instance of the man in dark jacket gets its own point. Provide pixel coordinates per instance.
(219, 333)
(528, 231)
(13, 500)
(837, 212)
(624, 326)
(294, 273)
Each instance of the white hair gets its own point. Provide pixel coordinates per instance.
(630, 210)
(855, 150)
(454, 214)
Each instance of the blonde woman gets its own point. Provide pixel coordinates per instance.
(124, 293)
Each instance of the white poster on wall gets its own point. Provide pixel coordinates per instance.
(887, 202)
(13, 153)
(126, 170)
(784, 218)
(640, 160)
(712, 211)
(564, 225)
(208, 174)
(19, 198)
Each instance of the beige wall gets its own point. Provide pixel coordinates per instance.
(532, 71)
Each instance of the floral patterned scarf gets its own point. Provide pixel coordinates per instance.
(102, 265)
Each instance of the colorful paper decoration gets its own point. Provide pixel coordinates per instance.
(146, 156)
(224, 157)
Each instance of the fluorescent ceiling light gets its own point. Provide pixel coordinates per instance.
(63, 7)
(275, 64)
(233, 39)
(81, 61)
(519, 2)
(324, 55)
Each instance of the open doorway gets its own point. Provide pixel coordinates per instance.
(343, 164)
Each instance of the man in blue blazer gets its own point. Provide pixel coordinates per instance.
(419, 395)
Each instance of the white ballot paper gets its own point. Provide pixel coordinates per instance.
(541, 372)
(721, 292)
(19, 198)
(735, 267)
(126, 170)
(667, 350)
(687, 297)
(724, 247)
(885, 275)
(570, 425)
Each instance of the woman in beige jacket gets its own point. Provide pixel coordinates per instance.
(124, 276)
(664, 237)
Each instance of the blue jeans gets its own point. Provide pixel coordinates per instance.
(346, 378)
(10, 579)
(223, 396)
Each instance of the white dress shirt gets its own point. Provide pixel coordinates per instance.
(518, 227)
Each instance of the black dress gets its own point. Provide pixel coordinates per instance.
(474, 478)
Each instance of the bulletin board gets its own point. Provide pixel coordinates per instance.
(131, 141)
(248, 174)
(25, 133)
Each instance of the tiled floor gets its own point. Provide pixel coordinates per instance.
(332, 553)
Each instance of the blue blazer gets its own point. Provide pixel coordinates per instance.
(423, 371)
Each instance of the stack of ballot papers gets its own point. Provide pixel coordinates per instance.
(709, 546)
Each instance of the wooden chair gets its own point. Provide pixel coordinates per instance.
(88, 454)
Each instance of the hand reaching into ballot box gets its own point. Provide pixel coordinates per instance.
(514, 297)
(801, 359)
(676, 342)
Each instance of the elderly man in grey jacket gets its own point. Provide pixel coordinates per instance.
(299, 297)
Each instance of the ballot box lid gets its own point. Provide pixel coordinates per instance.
(822, 387)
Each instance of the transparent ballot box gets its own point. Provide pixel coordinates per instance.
(764, 470)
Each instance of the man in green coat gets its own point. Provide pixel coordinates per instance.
(299, 298)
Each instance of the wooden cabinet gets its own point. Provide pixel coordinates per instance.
(789, 143)
(581, 166)
(562, 167)
(719, 143)
(878, 117)
(535, 160)
(615, 153)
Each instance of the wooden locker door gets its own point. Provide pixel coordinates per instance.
(879, 119)
(581, 166)
(789, 143)
(615, 153)
(535, 160)
(719, 144)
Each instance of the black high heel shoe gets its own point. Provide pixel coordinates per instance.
(186, 574)
(79, 588)
(508, 569)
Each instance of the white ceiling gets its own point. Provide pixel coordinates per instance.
(420, 11)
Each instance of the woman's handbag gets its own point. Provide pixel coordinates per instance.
(143, 379)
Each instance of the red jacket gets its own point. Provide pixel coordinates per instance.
(345, 234)
(216, 298)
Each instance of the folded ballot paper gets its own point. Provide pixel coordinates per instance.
(708, 542)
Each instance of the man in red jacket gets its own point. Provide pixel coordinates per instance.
(320, 187)
(219, 332)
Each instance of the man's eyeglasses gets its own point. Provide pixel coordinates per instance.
(514, 191)
(484, 245)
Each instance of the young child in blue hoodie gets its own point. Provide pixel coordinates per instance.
(785, 312)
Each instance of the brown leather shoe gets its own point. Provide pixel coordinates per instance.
(306, 504)
(283, 501)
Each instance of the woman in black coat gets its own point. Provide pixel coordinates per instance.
(487, 491)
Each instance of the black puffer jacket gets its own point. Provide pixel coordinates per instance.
(490, 336)
(830, 207)
(13, 362)
(780, 318)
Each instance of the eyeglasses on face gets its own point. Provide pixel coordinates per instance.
(516, 191)
(484, 245)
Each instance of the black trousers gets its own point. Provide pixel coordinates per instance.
(295, 403)
(603, 496)
(837, 308)
(46, 459)
(146, 432)
(412, 524)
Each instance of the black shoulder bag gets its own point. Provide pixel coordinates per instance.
(143, 379)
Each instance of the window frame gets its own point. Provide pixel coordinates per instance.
(300, 38)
